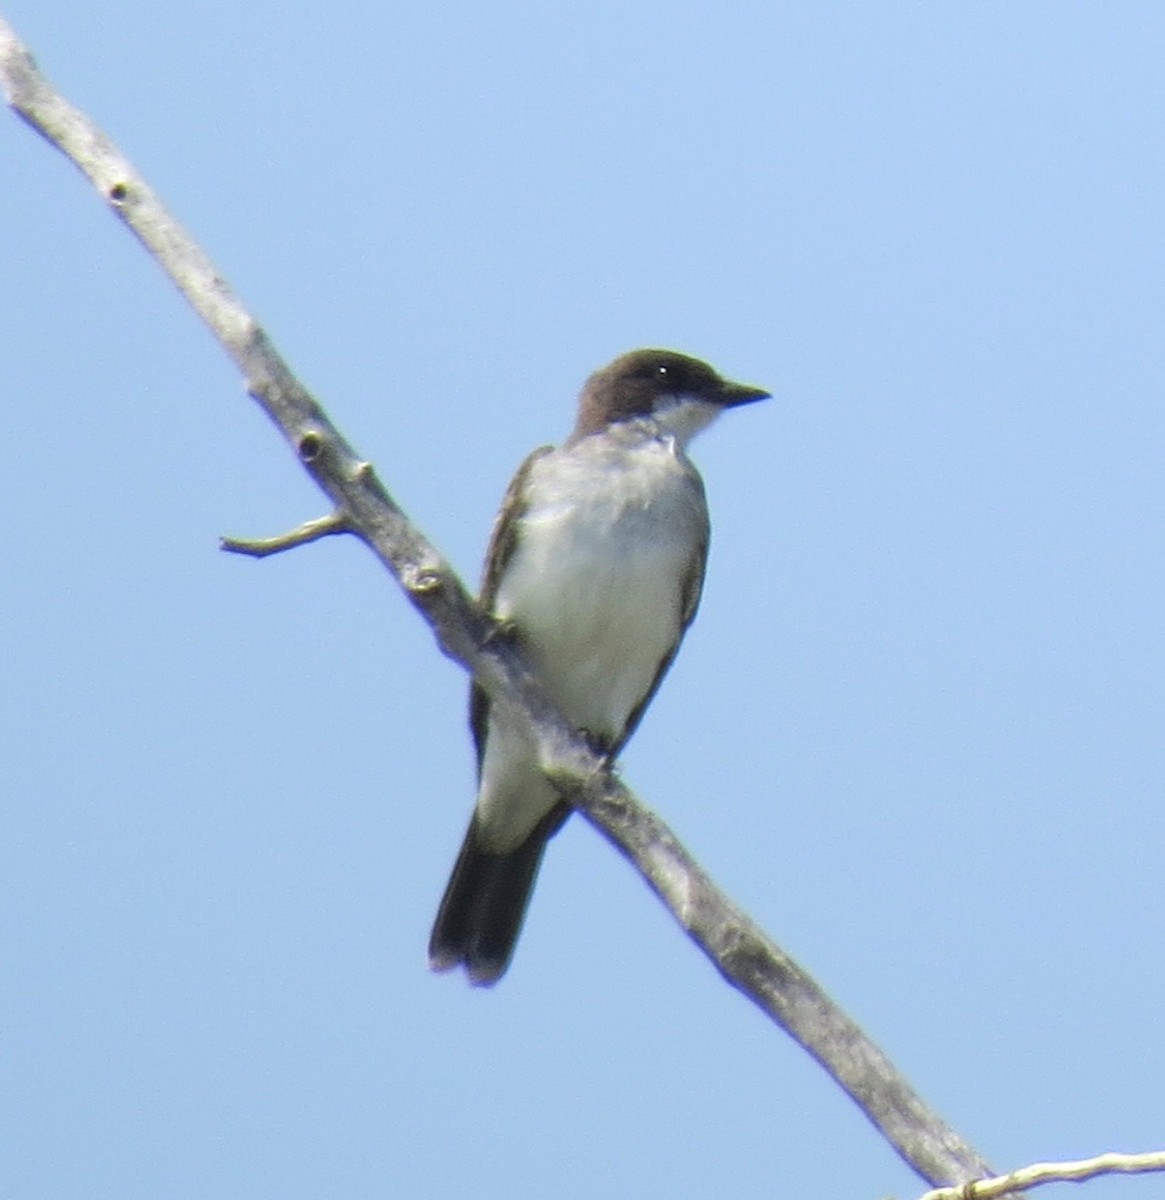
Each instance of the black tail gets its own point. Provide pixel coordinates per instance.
(481, 913)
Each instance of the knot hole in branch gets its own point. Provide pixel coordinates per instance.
(310, 446)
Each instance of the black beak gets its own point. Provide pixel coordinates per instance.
(733, 394)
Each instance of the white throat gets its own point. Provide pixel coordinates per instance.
(682, 417)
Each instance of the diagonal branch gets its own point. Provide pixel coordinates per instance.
(746, 957)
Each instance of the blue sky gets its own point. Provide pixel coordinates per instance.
(916, 731)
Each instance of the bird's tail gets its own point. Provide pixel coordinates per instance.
(481, 913)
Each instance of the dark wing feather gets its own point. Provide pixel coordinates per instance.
(693, 587)
(502, 540)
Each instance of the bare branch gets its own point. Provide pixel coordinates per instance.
(309, 531)
(1052, 1172)
(743, 954)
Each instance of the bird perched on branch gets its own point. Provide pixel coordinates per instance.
(595, 567)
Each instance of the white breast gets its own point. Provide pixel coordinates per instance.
(596, 583)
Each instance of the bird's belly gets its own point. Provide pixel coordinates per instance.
(597, 604)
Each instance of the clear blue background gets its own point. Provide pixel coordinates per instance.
(917, 730)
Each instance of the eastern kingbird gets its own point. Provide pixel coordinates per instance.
(595, 567)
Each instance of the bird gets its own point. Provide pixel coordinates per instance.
(594, 569)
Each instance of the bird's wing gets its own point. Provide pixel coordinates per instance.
(692, 587)
(502, 540)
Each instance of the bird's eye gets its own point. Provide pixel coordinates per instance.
(661, 371)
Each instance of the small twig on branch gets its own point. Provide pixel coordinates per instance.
(744, 955)
(1052, 1172)
(309, 531)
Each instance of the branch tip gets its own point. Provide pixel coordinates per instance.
(309, 531)
(1077, 1171)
